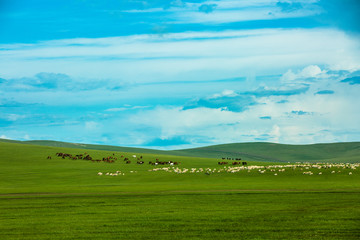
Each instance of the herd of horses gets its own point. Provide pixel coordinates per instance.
(112, 158)
(233, 163)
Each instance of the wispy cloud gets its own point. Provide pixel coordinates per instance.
(125, 108)
(183, 56)
(288, 91)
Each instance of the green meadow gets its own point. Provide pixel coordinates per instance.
(62, 198)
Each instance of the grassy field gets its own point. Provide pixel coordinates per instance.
(60, 198)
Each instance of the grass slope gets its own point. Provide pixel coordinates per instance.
(93, 146)
(272, 152)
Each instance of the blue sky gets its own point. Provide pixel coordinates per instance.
(178, 74)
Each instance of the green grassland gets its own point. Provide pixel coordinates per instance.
(60, 198)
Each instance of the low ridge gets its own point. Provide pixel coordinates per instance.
(255, 151)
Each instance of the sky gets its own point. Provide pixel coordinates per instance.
(180, 74)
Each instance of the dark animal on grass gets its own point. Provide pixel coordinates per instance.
(222, 163)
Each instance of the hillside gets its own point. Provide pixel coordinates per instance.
(264, 152)
(86, 146)
(271, 152)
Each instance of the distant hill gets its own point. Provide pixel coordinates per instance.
(86, 146)
(264, 152)
(272, 152)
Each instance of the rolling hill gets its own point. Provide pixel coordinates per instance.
(272, 152)
(86, 146)
(257, 151)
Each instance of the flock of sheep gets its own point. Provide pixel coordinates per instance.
(305, 168)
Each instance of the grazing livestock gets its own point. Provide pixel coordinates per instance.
(85, 156)
(229, 158)
(274, 169)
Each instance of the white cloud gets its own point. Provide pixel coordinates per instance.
(227, 93)
(26, 137)
(126, 107)
(311, 71)
(4, 137)
(14, 117)
(275, 133)
(91, 125)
